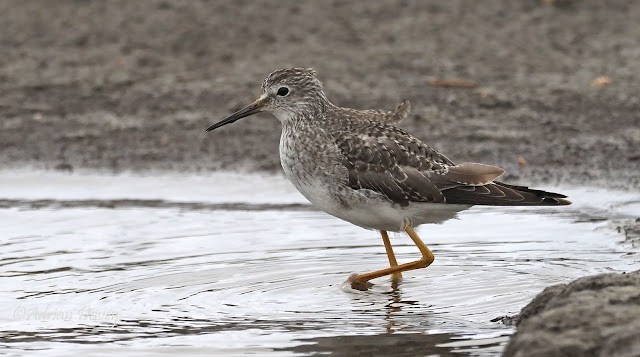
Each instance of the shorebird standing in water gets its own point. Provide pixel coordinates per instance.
(354, 165)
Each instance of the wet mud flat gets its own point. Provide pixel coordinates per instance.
(92, 267)
(127, 85)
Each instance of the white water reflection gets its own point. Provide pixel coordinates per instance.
(177, 280)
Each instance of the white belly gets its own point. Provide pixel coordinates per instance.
(370, 210)
(394, 218)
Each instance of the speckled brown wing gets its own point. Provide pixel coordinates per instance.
(387, 160)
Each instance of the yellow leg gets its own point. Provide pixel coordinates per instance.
(392, 257)
(359, 281)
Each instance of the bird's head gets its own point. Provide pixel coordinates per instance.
(289, 94)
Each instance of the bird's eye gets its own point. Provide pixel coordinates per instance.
(283, 91)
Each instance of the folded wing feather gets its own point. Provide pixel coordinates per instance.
(395, 164)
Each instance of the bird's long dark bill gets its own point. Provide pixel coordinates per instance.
(250, 109)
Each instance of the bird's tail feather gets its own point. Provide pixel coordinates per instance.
(502, 194)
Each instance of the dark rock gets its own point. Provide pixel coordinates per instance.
(593, 316)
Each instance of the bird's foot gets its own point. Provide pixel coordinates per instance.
(358, 283)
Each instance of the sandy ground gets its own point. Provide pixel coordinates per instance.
(131, 85)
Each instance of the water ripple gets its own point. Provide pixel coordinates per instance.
(260, 277)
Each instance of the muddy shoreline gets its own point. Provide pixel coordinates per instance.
(131, 86)
(123, 86)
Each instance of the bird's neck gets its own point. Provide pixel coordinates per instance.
(305, 113)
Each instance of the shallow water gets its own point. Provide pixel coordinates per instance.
(200, 265)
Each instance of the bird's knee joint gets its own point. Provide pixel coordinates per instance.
(425, 261)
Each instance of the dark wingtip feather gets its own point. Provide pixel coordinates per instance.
(553, 201)
(548, 198)
(502, 194)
